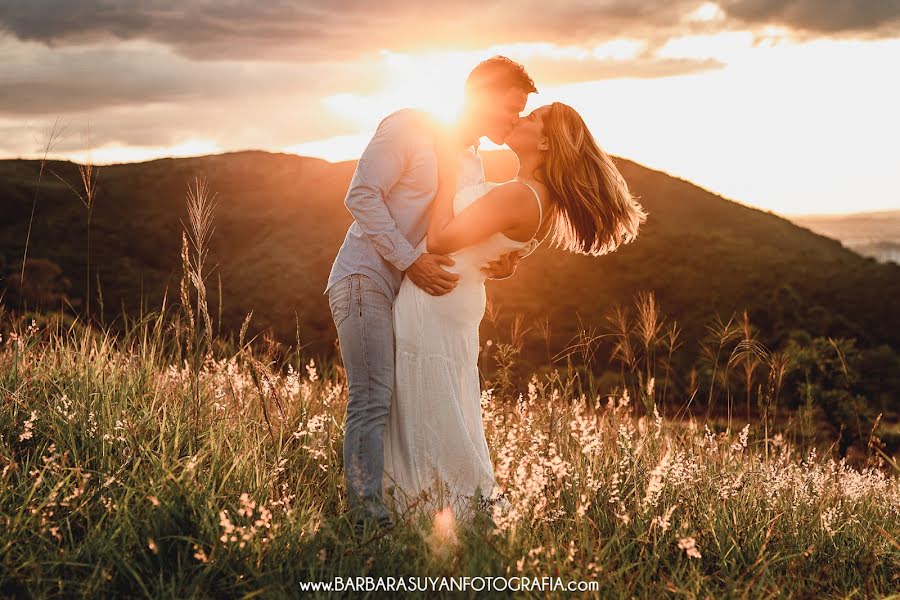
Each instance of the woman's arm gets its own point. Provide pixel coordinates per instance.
(503, 208)
(442, 206)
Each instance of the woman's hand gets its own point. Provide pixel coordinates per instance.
(503, 267)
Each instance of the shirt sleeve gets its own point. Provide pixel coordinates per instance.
(379, 169)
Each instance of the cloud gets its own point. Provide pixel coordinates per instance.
(247, 29)
(550, 71)
(252, 74)
(36, 79)
(268, 122)
(342, 29)
(870, 18)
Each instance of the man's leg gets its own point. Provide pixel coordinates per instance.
(364, 319)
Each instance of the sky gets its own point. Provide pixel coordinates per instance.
(788, 105)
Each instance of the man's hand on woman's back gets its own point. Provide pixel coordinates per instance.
(428, 274)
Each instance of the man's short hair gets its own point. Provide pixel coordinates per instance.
(499, 73)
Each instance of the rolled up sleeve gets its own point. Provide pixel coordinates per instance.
(379, 169)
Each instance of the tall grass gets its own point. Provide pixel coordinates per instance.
(52, 137)
(167, 461)
(89, 174)
(108, 487)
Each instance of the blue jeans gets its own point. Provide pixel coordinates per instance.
(364, 319)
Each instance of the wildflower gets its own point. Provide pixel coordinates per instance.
(742, 439)
(828, 520)
(657, 421)
(486, 397)
(192, 463)
(247, 505)
(27, 427)
(532, 390)
(583, 505)
(311, 371)
(709, 440)
(152, 545)
(729, 489)
(624, 400)
(689, 545)
(227, 527)
(520, 403)
(663, 521)
(153, 500)
(64, 406)
(200, 554)
(657, 481)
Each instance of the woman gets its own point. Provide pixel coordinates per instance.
(567, 185)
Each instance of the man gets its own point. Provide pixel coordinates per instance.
(389, 197)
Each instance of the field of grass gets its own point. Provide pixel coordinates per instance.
(130, 468)
(164, 461)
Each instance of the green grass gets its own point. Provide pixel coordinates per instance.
(120, 478)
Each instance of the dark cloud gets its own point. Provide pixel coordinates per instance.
(233, 123)
(829, 17)
(339, 29)
(37, 80)
(213, 29)
(252, 73)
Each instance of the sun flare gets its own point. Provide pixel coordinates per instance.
(426, 81)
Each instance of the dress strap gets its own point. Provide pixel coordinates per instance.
(540, 207)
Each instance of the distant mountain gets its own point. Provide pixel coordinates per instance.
(280, 220)
(875, 234)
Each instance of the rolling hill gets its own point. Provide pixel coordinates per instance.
(875, 234)
(280, 220)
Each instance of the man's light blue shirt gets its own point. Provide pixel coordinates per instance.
(395, 182)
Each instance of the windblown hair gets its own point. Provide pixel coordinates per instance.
(593, 209)
(499, 73)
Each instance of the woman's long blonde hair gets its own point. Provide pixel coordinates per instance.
(594, 211)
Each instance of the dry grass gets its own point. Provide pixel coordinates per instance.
(169, 462)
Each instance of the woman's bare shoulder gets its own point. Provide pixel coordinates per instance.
(515, 191)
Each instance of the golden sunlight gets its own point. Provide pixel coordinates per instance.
(442, 538)
(432, 81)
(706, 12)
(429, 82)
(116, 153)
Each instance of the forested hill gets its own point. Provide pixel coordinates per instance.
(280, 220)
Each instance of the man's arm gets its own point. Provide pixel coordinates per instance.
(380, 167)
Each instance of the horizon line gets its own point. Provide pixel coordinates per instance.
(871, 212)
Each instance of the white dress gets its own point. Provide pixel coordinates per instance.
(434, 440)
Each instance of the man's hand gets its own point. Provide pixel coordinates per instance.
(428, 274)
(502, 268)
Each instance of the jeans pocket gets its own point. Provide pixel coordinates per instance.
(339, 300)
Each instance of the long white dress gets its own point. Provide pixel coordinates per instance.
(434, 441)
